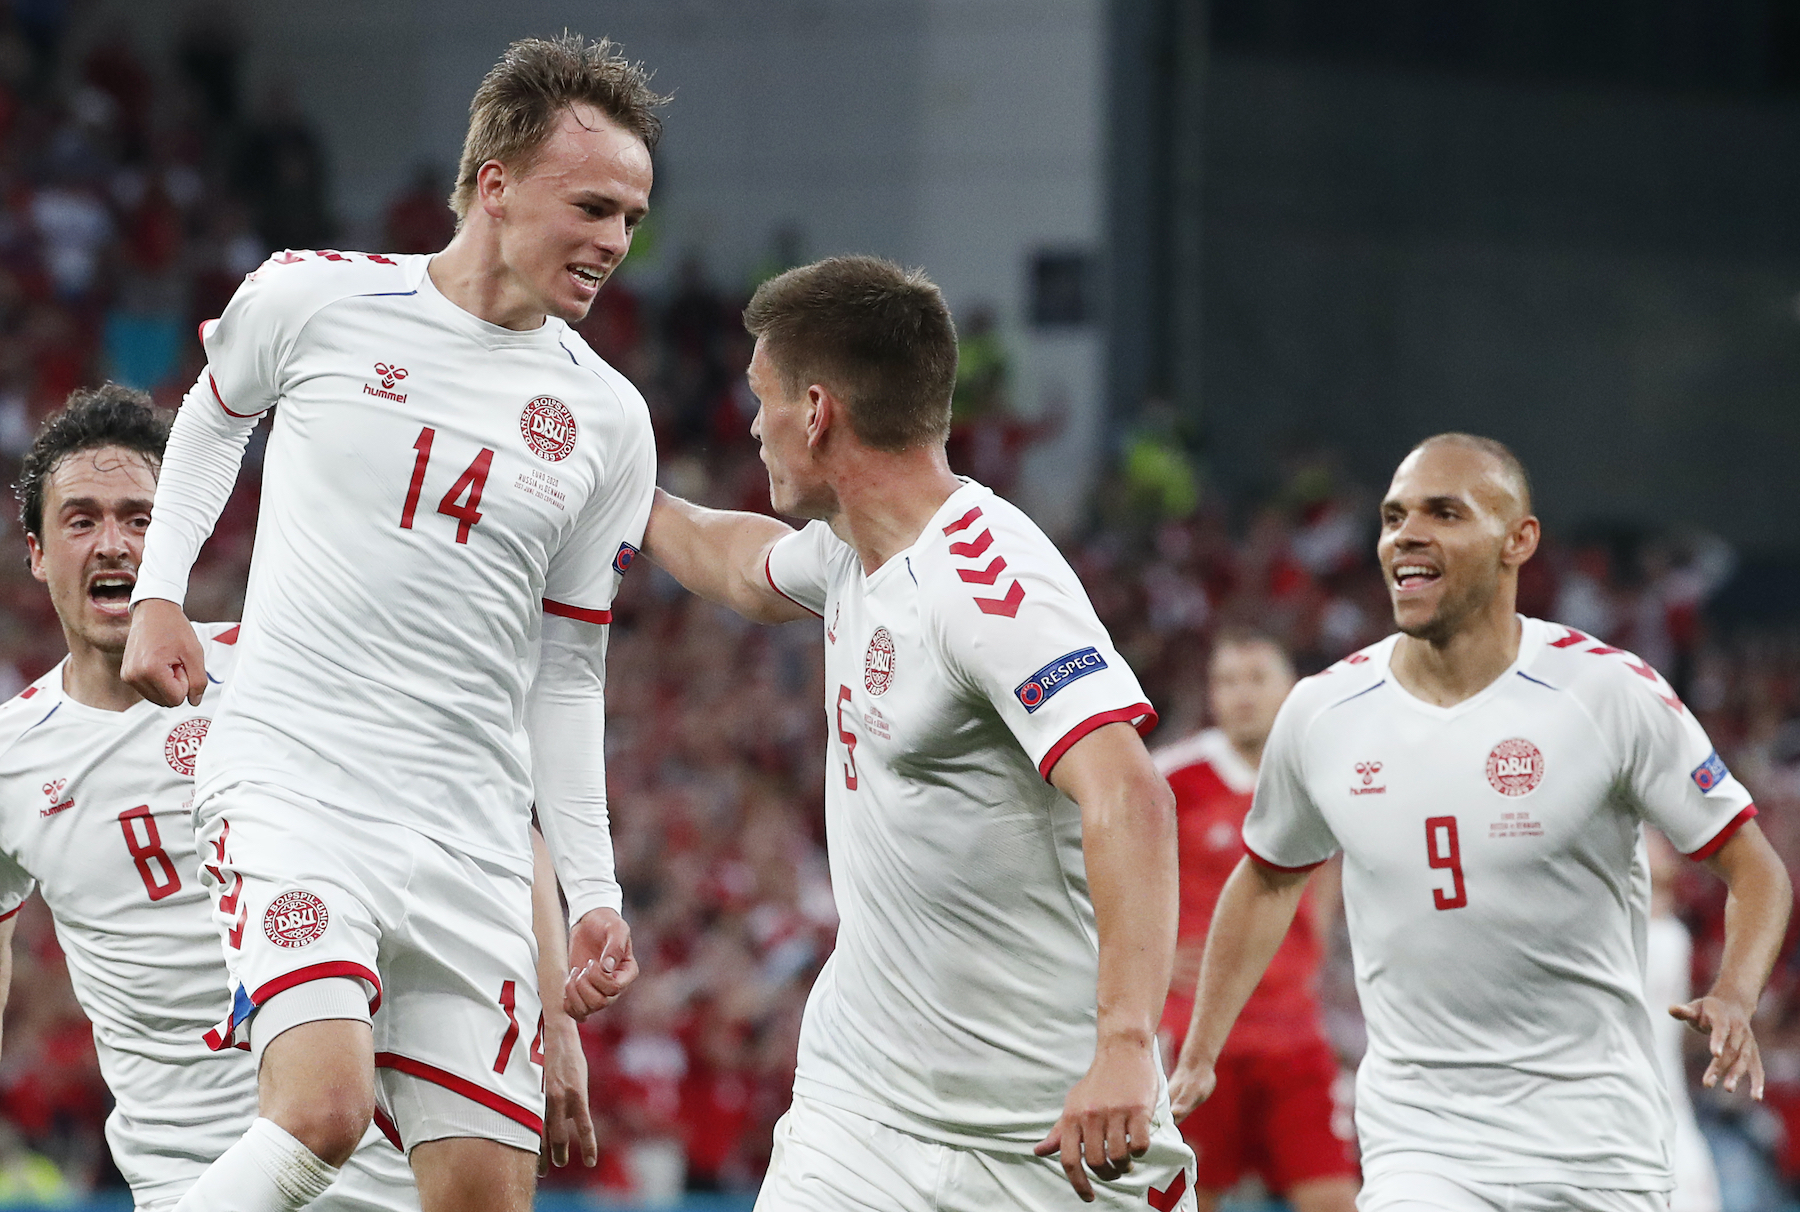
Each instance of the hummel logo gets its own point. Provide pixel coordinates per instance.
(52, 790)
(1369, 770)
(390, 378)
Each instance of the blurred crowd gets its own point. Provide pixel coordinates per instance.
(133, 198)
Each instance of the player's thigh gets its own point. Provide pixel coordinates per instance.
(459, 1040)
(1162, 1179)
(1294, 1112)
(377, 1178)
(1216, 1129)
(1418, 1191)
(826, 1159)
(467, 1174)
(299, 892)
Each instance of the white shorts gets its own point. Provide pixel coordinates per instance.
(827, 1159)
(375, 1179)
(441, 942)
(1417, 1191)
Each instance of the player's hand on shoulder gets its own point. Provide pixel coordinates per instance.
(1189, 1086)
(1735, 1055)
(567, 1115)
(601, 963)
(163, 661)
(1106, 1118)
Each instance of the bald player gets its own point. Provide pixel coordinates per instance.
(1487, 778)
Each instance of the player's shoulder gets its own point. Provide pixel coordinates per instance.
(617, 396)
(30, 707)
(1565, 659)
(1343, 683)
(219, 646)
(298, 282)
(982, 546)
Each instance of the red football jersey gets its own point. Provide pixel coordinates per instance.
(1213, 787)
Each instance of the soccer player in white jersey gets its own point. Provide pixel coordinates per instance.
(1487, 778)
(95, 795)
(453, 486)
(1002, 849)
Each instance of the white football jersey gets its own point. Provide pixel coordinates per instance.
(1497, 894)
(95, 810)
(959, 1003)
(94, 807)
(433, 485)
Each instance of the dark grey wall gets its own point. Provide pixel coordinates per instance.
(1605, 279)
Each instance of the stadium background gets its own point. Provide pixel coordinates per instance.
(1215, 267)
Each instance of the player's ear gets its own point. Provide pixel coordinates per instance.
(36, 559)
(490, 183)
(822, 412)
(1521, 541)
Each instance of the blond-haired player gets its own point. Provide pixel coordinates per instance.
(1487, 778)
(453, 486)
(1002, 849)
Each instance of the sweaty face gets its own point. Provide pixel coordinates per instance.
(1246, 687)
(567, 222)
(96, 510)
(1448, 537)
(796, 488)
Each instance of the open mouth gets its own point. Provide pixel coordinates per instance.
(587, 276)
(111, 591)
(1414, 576)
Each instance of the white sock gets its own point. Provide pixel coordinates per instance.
(267, 1171)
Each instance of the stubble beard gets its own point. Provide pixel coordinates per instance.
(1454, 611)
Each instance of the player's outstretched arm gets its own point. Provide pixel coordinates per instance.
(567, 1115)
(1757, 905)
(721, 555)
(1128, 843)
(565, 717)
(1252, 917)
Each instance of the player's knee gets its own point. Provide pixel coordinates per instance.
(331, 1127)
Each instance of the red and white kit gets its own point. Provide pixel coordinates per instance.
(94, 810)
(1272, 1110)
(958, 1007)
(1497, 892)
(447, 508)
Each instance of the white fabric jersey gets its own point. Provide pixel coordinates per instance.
(433, 485)
(1497, 894)
(959, 1003)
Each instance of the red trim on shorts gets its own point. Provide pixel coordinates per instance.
(769, 575)
(1711, 848)
(388, 1130)
(319, 972)
(228, 637)
(12, 913)
(1261, 861)
(242, 416)
(462, 1086)
(579, 613)
(1143, 713)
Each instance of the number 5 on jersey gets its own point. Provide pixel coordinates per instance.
(471, 481)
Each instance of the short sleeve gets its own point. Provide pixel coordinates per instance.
(247, 346)
(1285, 829)
(1048, 667)
(799, 566)
(15, 886)
(585, 572)
(1673, 776)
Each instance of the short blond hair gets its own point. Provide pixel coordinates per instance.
(516, 109)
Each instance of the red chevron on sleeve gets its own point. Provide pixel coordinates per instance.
(974, 549)
(1008, 605)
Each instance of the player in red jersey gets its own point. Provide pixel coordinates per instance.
(1271, 1111)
